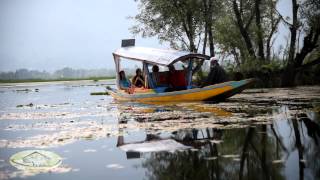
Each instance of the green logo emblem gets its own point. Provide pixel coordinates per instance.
(35, 159)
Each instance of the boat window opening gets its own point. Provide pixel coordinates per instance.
(160, 80)
(161, 68)
(180, 65)
(157, 77)
(130, 67)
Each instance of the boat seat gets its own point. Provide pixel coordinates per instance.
(160, 79)
(163, 78)
(160, 89)
(179, 79)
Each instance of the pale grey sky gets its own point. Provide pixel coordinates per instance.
(52, 34)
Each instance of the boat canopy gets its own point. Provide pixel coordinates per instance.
(156, 56)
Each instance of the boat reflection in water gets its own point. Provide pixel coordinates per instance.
(284, 148)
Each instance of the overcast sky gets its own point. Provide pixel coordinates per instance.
(52, 34)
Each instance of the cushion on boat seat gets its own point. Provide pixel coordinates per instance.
(163, 78)
(160, 89)
(178, 79)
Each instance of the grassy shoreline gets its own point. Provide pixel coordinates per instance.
(53, 80)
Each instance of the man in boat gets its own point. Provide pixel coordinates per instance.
(155, 74)
(138, 80)
(217, 74)
(159, 78)
(176, 79)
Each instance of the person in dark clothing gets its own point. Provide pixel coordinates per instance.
(155, 75)
(216, 75)
(138, 80)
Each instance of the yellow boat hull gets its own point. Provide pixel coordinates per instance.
(213, 92)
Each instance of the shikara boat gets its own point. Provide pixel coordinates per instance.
(166, 58)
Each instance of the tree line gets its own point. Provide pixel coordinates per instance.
(244, 31)
(65, 73)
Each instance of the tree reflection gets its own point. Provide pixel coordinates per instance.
(255, 159)
(255, 152)
(299, 146)
(310, 148)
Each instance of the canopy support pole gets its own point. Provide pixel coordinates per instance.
(117, 63)
(189, 77)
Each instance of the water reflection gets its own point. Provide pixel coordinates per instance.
(279, 149)
(258, 134)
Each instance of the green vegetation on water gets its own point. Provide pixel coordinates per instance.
(99, 93)
(22, 105)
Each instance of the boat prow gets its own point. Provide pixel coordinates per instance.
(215, 92)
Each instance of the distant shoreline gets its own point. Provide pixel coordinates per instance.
(53, 80)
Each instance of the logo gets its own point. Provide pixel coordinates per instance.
(35, 159)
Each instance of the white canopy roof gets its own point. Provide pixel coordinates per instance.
(156, 56)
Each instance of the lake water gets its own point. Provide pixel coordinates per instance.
(258, 134)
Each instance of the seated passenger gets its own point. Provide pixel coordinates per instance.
(155, 74)
(124, 83)
(177, 80)
(138, 80)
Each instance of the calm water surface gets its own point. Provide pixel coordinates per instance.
(259, 134)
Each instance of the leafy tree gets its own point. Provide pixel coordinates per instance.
(305, 17)
(243, 30)
(177, 22)
(210, 11)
